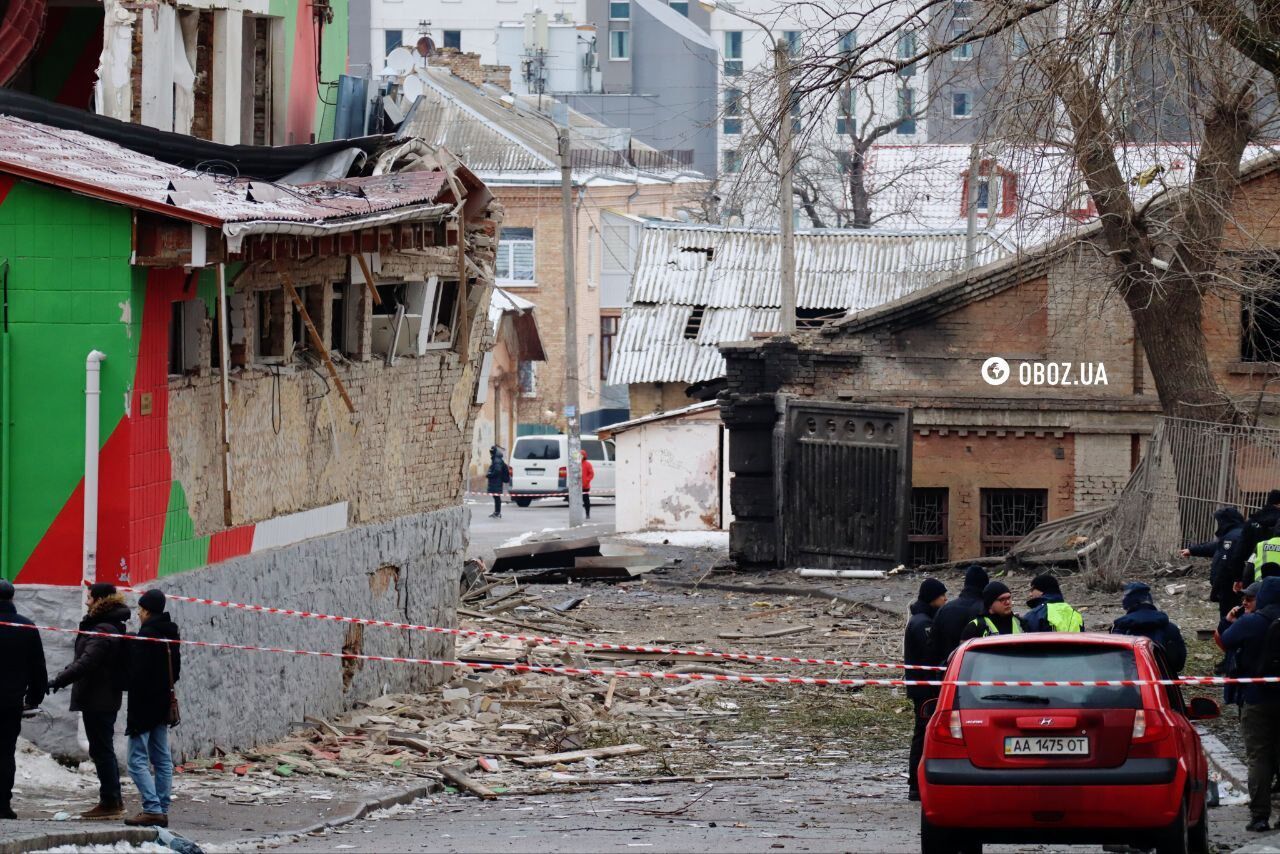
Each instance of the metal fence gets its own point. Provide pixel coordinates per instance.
(1190, 469)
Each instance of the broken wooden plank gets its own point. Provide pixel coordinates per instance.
(580, 755)
(462, 781)
(368, 278)
(777, 633)
(322, 724)
(317, 341)
(417, 744)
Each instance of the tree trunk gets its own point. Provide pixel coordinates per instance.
(860, 200)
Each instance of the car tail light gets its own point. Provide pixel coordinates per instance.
(1149, 725)
(949, 728)
(563, 472)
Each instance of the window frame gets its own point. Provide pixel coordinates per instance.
(529, 388)
(988, 541)
(730, 161)
(616, 3)
(509, 244)
(731, 121)
(906, 108)
(610, 327)
(683, 4)
(941, 542)
(732, 53)
(444, 39)
(617, 39)
(968, 104)
(1253, 337)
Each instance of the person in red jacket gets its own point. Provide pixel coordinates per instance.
(588, 475)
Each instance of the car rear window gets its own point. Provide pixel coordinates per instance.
(594, 449)
(1048, 662)
(537, 449)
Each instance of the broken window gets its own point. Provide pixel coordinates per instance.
(442, 317)
(608, 341)
(415, 317)
(186, 323)
(299, 337)
(514, 262)
(694, 324)
(1008, 515)
(927, 536)
(345, 318)
(1260, 311)
(272, 322)
(528, 374)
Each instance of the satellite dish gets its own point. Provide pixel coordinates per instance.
(412, 88)
(400, 59)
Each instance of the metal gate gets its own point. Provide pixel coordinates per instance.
(843, 484)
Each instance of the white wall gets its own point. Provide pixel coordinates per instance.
(475, 19)
(668, 475)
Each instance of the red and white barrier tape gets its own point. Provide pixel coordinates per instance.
(550, 641)
(687, 677)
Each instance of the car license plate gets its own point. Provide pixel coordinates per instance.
(1050, 745)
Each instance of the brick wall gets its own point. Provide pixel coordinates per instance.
(649, 398)
(466, 65)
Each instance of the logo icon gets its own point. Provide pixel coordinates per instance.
(1046, 722)
(995, 371)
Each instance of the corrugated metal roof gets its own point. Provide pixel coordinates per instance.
(731, 277)
(493, 131)
(86, 164)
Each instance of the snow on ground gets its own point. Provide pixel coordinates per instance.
(531, 536)
(682, 539)
(39, 770)
(120, 847)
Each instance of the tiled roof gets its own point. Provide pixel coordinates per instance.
(731, 277)
(95, 167)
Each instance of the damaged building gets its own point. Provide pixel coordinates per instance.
(287, 377)
(881, 437)
(253, 72)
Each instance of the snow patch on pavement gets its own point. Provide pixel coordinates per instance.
(121, 847)
(681, 539)
(39, 770)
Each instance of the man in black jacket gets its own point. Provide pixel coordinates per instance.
(918, 648)
(997, 617)
(153, 669)
(22, 685)
(1227, 552)
(958, 613)
(94, 677)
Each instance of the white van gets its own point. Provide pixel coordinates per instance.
(536, 463)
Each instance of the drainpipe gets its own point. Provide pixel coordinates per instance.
(92, 393)
(6, 454)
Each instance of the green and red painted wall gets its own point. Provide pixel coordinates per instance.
(68, 289)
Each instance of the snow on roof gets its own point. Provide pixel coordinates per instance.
(82, 163)
(696, 287)
(922, 186)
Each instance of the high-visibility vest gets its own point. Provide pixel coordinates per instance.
(1063, 618)
(1268, 551)
(989, 627)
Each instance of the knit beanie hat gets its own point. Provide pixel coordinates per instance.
(153, 601)
(101, 590)
(1046, 583)
(930, 589)
(975, 577)
(992, 592)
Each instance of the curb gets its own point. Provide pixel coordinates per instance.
(137, 836)
(406, 796)
(105, 836)
(782, 590)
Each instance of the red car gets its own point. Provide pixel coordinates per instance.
(1111, 765)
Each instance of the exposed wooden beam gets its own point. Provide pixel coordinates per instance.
(317, 341)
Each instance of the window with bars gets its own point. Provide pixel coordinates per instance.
(1008, 515)
(1260, 311)
(514, 262)
(927, 536)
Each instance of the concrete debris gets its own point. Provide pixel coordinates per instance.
(557, 560)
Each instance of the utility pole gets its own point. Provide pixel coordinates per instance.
(573, 467)
(782, 58)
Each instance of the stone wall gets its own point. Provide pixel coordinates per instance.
(406, 570)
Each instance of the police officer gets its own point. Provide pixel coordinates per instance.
(918, 648)
(997, 617)
(1049, 611)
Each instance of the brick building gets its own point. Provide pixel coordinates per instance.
(617, 182)
(989, 461)
(328, 321)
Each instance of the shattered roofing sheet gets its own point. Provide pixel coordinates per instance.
(99, 168)
(732, 276)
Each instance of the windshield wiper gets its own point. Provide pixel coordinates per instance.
(1017, 698)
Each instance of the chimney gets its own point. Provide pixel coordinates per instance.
(468, 67)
